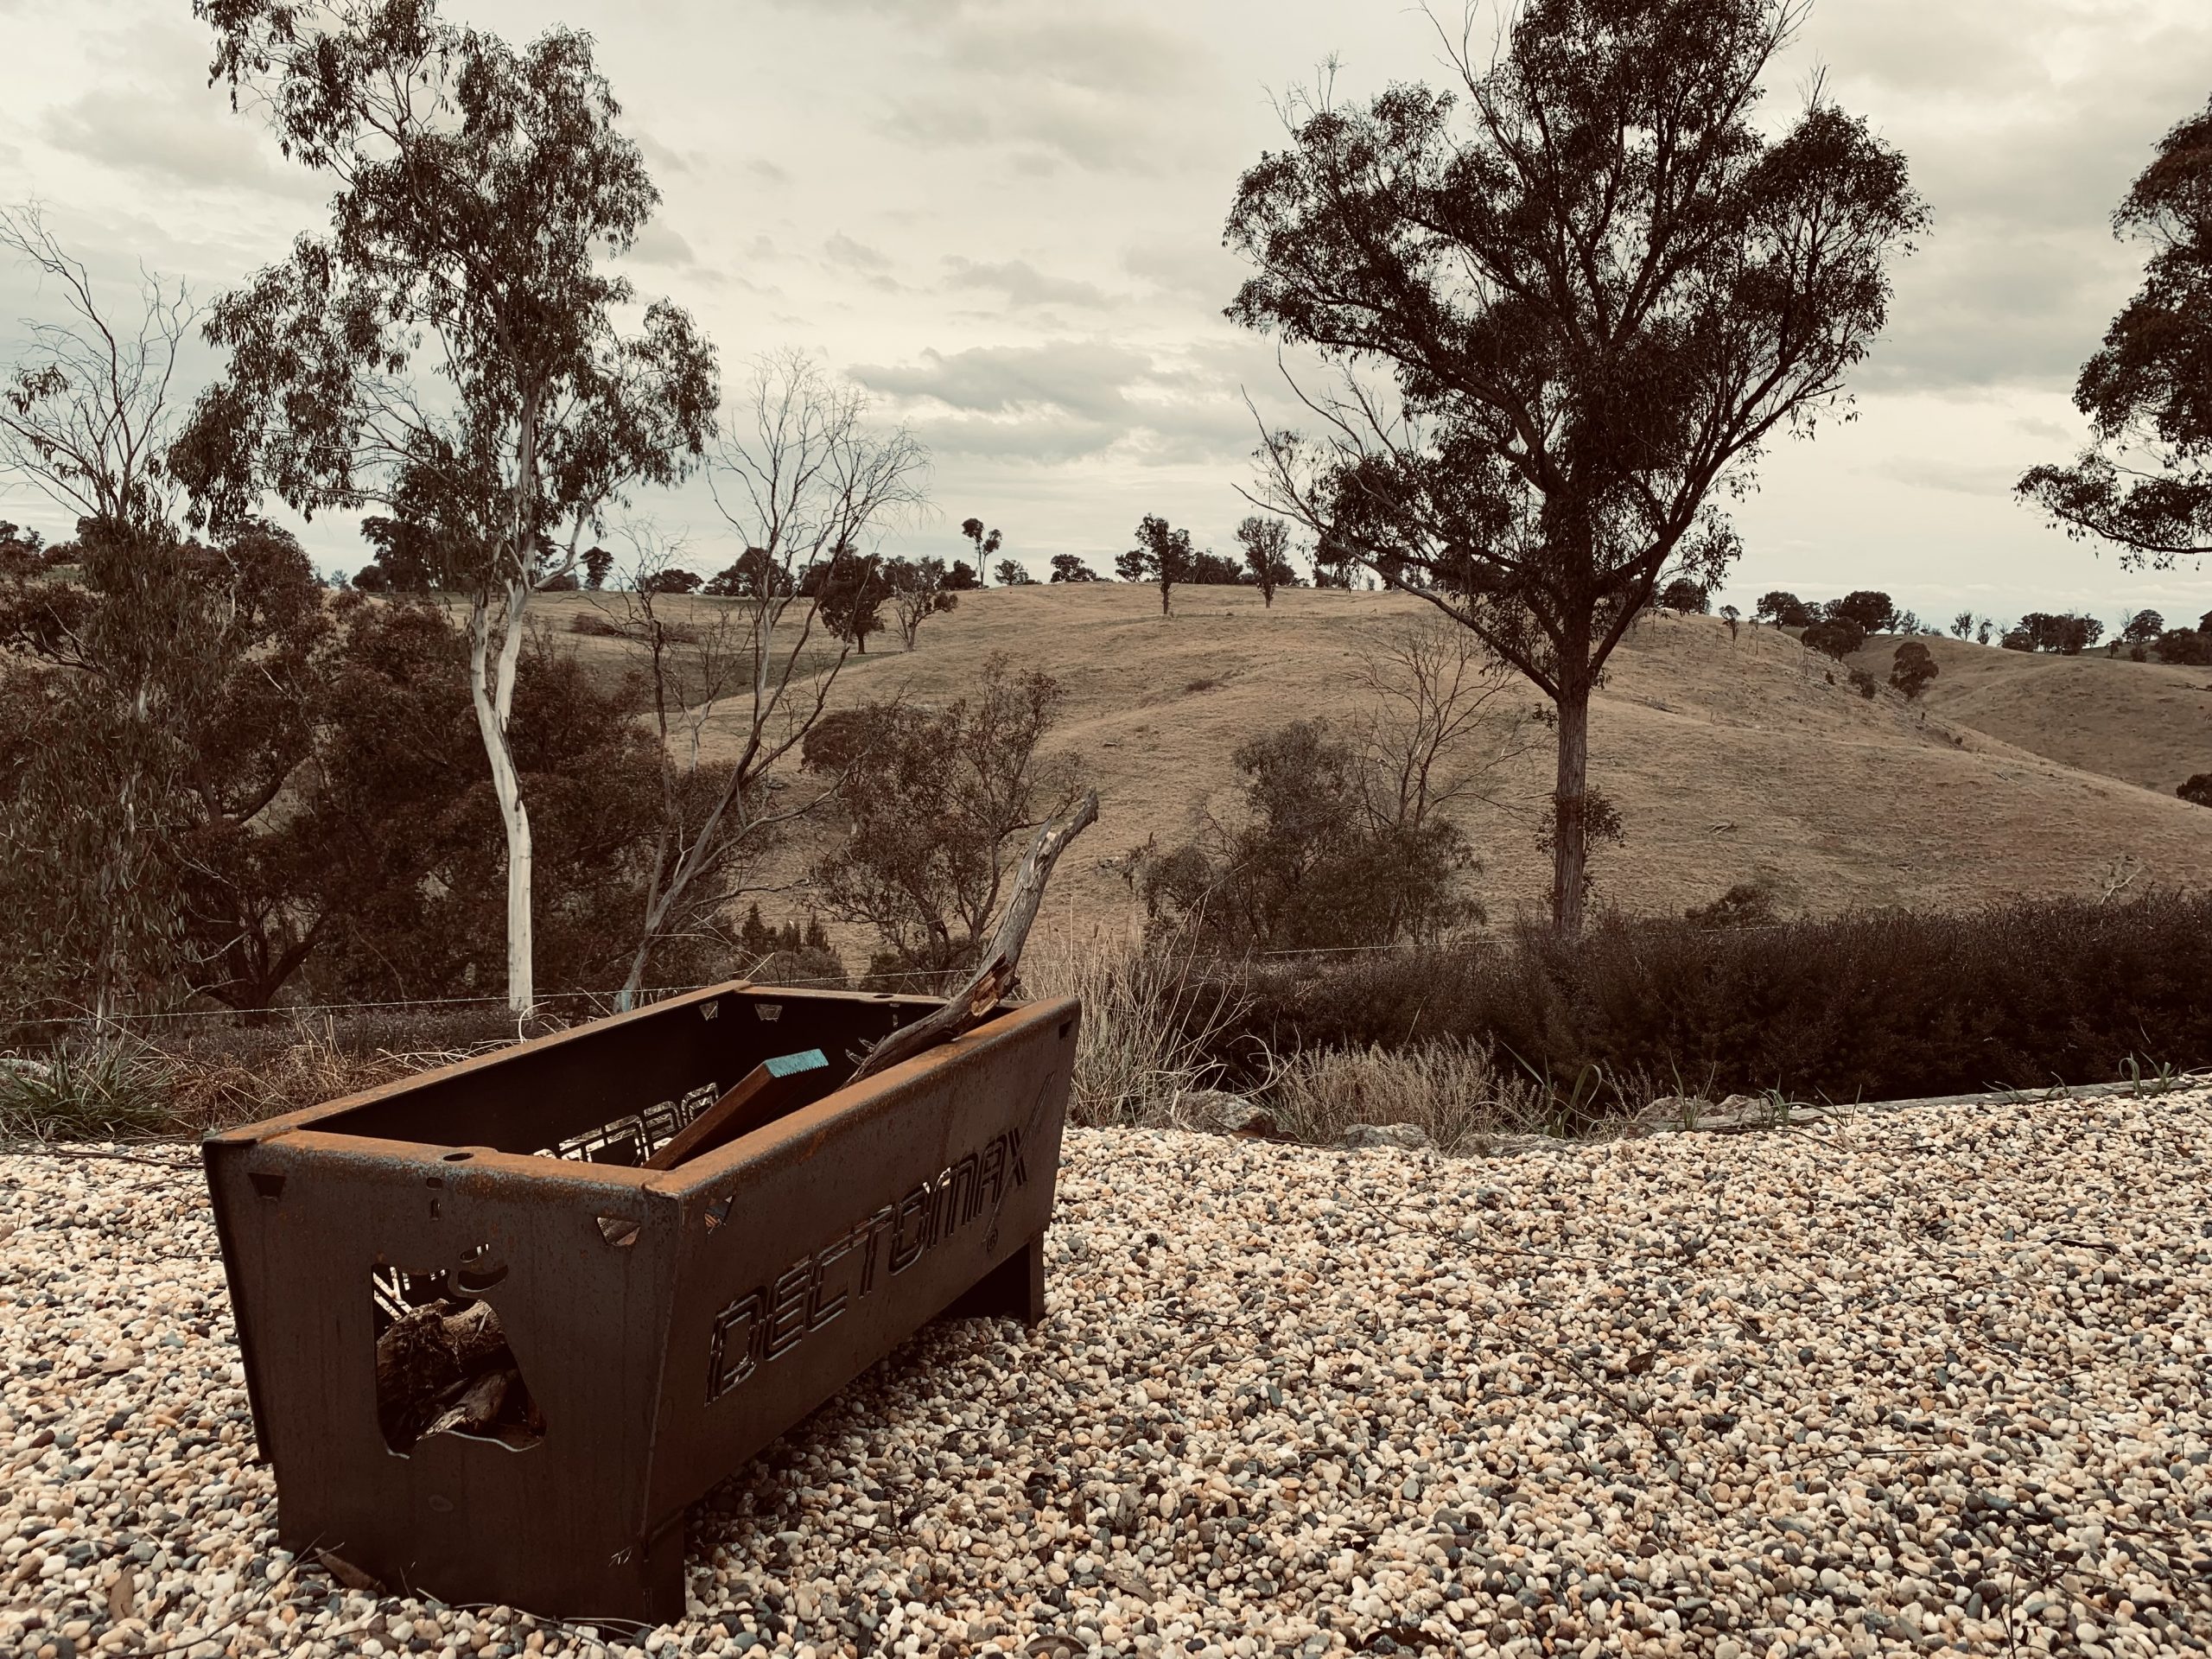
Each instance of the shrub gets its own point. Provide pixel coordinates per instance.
(789, 955)
(2198, 788)
(2184, 647)
(1864, 684)
(1312, 863)
(1877, 1005)
(939, 804)
(1748, 904)
(838, 737)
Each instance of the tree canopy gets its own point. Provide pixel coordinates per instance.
(1570, 300)
(2145, 482)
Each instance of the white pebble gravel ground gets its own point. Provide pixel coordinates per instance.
(1919, 1382)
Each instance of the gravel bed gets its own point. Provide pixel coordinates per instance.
(1907, 1383)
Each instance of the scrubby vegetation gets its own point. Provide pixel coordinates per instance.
(1878, 1005)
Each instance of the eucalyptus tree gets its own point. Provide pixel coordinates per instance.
(453, 352)
(1566, 303)
(2145, 482)
(86, 417)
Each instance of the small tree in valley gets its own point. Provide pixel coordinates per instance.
(1834, 636)
(1307, 864)
(2184, 647)
(1911, 669)
(1266, 542)
(937, 801)
(917, 593)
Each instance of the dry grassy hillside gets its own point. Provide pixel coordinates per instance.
(2142, 722)
(1728, 758)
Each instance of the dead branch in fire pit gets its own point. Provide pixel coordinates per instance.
(973, 1002)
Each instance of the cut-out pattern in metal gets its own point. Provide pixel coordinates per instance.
(442, 1362)
(768, 1320)
(634, 1139)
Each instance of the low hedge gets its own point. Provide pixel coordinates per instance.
(1874, 1005)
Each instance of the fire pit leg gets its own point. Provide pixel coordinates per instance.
(660, 1574)
(1014, 1289)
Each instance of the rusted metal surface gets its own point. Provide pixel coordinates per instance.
(648, 1330)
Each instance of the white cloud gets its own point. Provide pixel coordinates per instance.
(659, 244)
(841, 250)
(988, 177)
(1022, 284)
(158, 135)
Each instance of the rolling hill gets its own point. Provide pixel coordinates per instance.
(2141, 723)
(1728, 758)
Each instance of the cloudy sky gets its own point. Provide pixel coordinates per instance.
(1003, 217)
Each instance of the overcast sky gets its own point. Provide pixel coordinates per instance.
(1004, 220)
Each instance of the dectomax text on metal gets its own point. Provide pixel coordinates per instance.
(769, 1320)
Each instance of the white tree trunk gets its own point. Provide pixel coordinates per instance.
(491, 690)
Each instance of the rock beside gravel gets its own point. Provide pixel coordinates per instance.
(1727, 1114)
(1914, 1382)
(1218, 1110)
(1406, 1137)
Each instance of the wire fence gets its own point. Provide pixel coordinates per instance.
(609, 1001)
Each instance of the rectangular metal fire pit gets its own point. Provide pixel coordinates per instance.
(492, 1359)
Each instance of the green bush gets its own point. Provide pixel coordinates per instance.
(1879, 1005)
(96, 1091)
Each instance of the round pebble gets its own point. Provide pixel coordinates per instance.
(1919, 1382)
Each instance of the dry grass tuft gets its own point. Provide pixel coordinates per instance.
(1150, 1034)
(216, 1091)
(1142, 1043)
(1453, 1090)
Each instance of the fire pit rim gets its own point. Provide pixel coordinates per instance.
(301, 1128)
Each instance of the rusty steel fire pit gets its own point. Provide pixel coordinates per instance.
(492, 1357)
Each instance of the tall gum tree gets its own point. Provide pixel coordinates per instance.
(1563, 306)
(453, 352)
(2146, 482)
